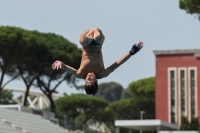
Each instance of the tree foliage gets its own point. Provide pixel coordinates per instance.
(139, 96)
(111, 91)
(7, 48)
(133, 107)
(31, 54)
(7, 97)
(189, 126)
(59, 48)
(124, 109)
(142, 89)
(84, 109)
(190, 6)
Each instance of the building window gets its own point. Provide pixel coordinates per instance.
(182, 87)
(172, 117)
(182, 90)
(192, 90)
(172, 97)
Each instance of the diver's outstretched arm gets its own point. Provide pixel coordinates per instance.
(135, 48)
(60, 65)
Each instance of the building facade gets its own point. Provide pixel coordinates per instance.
(177, 85)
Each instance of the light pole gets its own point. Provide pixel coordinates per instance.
(141, 114)
(141, 117)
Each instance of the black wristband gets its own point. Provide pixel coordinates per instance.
(134, 50)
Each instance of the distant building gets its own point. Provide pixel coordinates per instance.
(177, 84)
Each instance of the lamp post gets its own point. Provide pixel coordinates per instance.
(141, 114)
(141, 117)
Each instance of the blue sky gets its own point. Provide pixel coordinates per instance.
(161, 25)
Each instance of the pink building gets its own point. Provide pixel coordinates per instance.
(177, 84)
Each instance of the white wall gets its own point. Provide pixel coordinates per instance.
(178, 132)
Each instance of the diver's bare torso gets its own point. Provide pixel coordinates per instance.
(92, 61)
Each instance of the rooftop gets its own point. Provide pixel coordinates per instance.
(196, 52)
(146, 124)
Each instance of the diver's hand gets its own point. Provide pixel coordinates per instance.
(57, 65)
(136, 47)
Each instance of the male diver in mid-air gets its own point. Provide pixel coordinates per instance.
(92, 65)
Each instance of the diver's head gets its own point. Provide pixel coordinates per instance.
(91, 84)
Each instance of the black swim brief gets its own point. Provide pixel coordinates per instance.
(93, 43)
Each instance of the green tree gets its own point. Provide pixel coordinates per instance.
(58, 48)
(143, 88)
(111, 91)
(7, 97)
(143, 93)
(140, 96)
(7, 66)
(82, 109)
(21, 43)
(186, 125)
(125, 109)
(190, 6)
(194, 124)
(33, 54)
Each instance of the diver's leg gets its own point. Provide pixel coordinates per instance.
(98, 35)
(85, 38)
